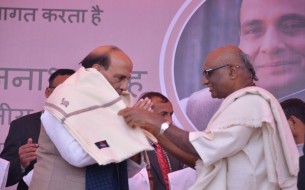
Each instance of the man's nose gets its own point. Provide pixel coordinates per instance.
(272, 41)
(204, 80)
(168, 118)
(124, 85)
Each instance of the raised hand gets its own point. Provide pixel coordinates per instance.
(27, 153)
(145, 119)
(145, 104)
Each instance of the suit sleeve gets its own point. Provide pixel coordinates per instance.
(301, 175)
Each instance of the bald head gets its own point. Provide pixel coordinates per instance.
(232, 55)
(102, 56)
(112, 63)
(226, 54)
(227, 69)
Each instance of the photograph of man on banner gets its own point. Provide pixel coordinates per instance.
(271, 33)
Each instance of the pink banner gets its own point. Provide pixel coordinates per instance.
(166, 40)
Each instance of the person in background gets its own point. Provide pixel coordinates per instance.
(243, 146)
(22, 141)
(158, 170)
(294, 110)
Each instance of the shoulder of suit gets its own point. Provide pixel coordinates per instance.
(33, 117)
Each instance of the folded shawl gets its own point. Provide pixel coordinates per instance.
(87, 105)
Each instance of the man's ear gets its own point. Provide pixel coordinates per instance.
(47, 92)
(295, 121)
(230, 73)
(96, 66)
(233, 72)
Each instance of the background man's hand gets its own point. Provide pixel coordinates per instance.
(27, 153)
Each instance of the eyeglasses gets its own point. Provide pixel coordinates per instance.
(208, 72)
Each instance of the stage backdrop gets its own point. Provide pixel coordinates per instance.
(39, 36)
(167, 41)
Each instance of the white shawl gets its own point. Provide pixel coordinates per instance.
(87, 105)
(279, 147)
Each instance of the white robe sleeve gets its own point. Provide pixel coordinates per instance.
(226, 141)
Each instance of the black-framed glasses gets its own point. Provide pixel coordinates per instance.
(208, 72)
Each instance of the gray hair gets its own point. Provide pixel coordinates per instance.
(248, 65)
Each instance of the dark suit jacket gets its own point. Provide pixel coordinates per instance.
(20, 130)
(301, 175)
(156, 171)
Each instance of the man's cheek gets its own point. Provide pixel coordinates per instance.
(299, 48)
(247, 48)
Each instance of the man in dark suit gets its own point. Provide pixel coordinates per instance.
(21, 143)
(294, 110)
(301, 175)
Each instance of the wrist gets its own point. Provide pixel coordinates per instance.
(164, 127)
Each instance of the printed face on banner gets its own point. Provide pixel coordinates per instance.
(274, 38)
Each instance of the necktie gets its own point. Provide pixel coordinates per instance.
(163, 164)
